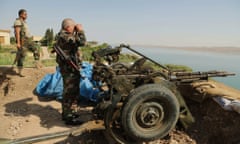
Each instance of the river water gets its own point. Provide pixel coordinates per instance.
(198, 61)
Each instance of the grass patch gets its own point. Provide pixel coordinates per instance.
(49, 62)
(174, 67)
(8, 53)
(6, 58)
(7, 48)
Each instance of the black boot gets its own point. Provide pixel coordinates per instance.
(72, 119)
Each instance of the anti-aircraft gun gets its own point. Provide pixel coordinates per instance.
(150, 101)
(137, 103)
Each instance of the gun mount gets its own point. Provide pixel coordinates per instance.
(137, 103)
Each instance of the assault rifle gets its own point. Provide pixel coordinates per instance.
(65, 58)
(196, 76)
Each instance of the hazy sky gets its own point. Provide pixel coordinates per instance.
(157, 22)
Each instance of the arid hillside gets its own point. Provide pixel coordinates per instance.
(23, 114)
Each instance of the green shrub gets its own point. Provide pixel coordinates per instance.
(7, 48)
(6, 59)
(174, 67)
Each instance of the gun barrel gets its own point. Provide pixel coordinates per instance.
(194, 76)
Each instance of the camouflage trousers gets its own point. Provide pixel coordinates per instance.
(21, 54)
(34, 48)
(70, 93)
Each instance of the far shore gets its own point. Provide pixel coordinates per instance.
(223, 50)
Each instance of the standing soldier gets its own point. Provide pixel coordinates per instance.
(70, 37)
(23, 40)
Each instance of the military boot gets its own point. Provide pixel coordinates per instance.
(73, 119)
(20, 71)
(70, 115)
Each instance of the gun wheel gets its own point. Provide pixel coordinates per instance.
(113, 126)
(150, 112)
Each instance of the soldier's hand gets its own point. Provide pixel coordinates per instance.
(18, 46)
(78, 27)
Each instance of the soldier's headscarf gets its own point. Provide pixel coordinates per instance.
(68, 22)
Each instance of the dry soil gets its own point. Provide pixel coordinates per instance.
(23, 114)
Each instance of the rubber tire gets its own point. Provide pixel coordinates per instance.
(150, 94)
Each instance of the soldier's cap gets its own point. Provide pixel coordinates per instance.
(68, 22)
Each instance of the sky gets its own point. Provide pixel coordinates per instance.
(144, 22)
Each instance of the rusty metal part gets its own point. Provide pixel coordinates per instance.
(109, 54)
(86, 127)
(114, 128)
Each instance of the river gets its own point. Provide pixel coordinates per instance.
(198, 61)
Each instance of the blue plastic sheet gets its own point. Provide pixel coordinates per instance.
(52, 85)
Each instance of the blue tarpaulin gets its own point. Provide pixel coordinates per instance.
(52, 85)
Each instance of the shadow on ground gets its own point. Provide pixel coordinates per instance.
(48, 115)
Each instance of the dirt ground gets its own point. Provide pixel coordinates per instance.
(23, 114)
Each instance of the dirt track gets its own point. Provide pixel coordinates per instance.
(22, 114)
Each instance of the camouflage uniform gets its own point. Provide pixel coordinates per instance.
(71, 77)
(26, 43)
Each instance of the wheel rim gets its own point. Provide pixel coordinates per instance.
(149, 114)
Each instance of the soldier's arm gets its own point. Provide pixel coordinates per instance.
(17, 30)
(82, 38)
(81, 35)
